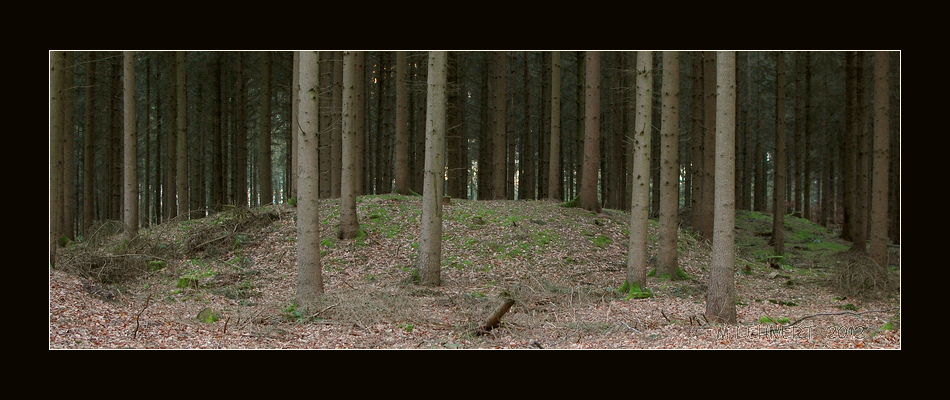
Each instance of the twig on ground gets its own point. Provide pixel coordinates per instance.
(136, 331)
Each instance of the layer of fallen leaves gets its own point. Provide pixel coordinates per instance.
(562, 267)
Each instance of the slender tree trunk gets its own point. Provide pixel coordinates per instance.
(295, 126)
(131, 199)
(807, 152)
(182, 136)
(697, 142)
(239, 169)
(454, 131)
(499, 69)
(89, 134)
(429, 262)
(554, 156)
(336, 151)
(847, 156)
(878, 247)
(669, 173)
(709, 143)
(859, 244)
(309, 274)
(778, 192)
(56, 66)
(721, 295)
(265, 170)
(402, 125)
(171, 177)
(588, 196)
(349, 224)
(325, 69)
(69, 186)
(640, 199)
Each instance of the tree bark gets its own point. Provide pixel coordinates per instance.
(778, 191)
(56, 66)
(721, 295)
(709, 143)
(640, 199)
(495, 319)
(859, 243)
(89, 133)
(349, 180)
(309, 274)
(588, 196)
(554, 156)
(336, 151)
(130, 178)
(498, 120)
(429, 263)
(879, 196)
(181, 136)
(669, 173)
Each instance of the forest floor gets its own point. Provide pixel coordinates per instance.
(562, 266)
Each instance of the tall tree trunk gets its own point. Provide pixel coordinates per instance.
(352, 113)
(309, 274)
(554, 156)
(878, 247)
(326, 122)
(669, 173)
(360, 126)
(69, 185)
(807, 152)
(171, 177)
(697, 142)
(709, 143)
(89, 134)
(859, 244)
(454, 132)
(130, 178)
(181, 152)
(56, 66)
(402, 125)
(429, 262)
(239, 168)
(498, 83)
(295, 126)
(265, 172)
(721, 295)
(640, 199)
(588, 196)
(799, 150)
(527, 176)
(336, 151)
(778, 192)
(848, 146)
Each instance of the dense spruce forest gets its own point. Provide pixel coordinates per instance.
(665, 144)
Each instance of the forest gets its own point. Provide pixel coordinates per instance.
(653, 176)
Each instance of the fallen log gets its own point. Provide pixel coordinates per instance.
(495, 318)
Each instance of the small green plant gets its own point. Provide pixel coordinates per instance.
(291, 313)
(207, 315)
(407, 327)
(602, 241)
(849, 307)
